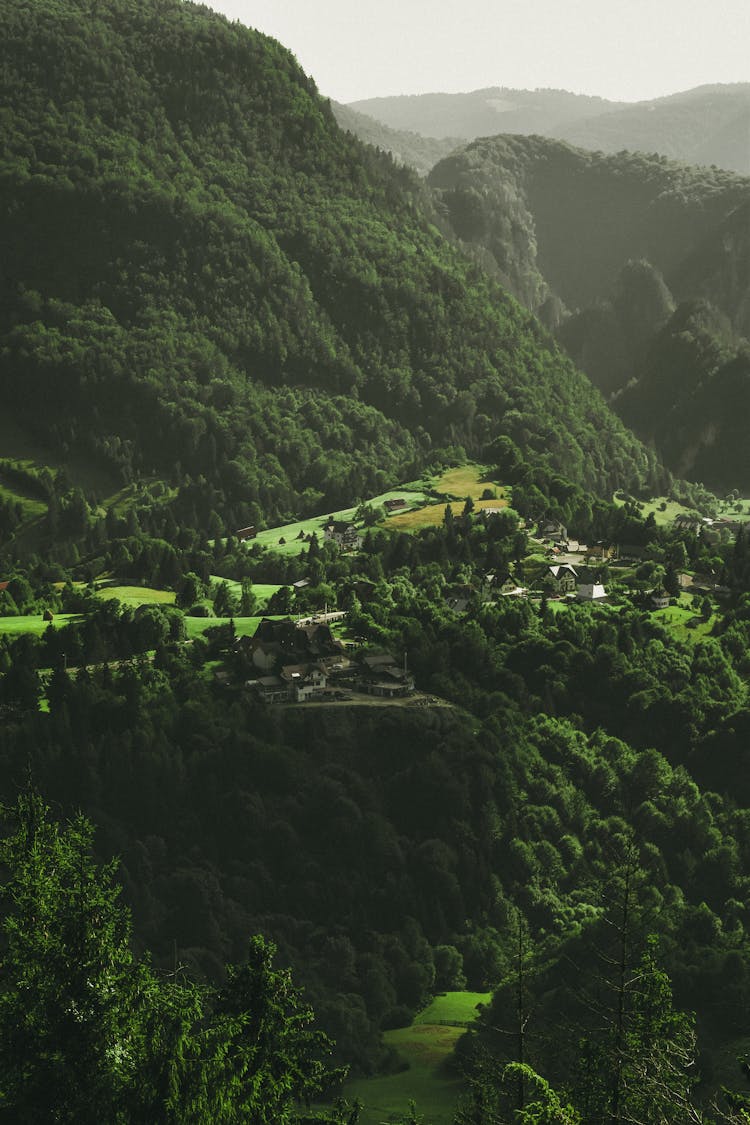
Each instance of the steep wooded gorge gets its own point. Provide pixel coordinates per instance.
(641, 265)
(204, 276)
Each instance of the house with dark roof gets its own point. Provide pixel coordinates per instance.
(303, 681)
(344, 535)
(562, 578)
(395, 505)
(380, 675)
(276, 643)
(659, 598)
(553, 530)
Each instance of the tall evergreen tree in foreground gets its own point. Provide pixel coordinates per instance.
(90, 1034)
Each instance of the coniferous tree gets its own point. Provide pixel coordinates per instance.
(89, 1034)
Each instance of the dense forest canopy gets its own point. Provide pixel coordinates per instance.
(204, 276)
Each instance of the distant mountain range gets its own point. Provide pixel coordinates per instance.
(642, 267)
(707, 125)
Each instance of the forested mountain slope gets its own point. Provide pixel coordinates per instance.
(420, 153)
(204, 276)
(707, 125)
(606, 249)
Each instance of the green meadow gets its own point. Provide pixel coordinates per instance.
(425, 1048)
(136, 595)
(14, 626)
(243, 626)
(290, 532)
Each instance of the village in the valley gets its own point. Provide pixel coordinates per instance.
(311, 659)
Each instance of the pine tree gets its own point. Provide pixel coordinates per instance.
(70, 993)
(88, 1034)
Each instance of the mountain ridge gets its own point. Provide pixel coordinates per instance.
(207, 278)
(705, 125)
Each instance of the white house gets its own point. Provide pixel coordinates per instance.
(590, 591)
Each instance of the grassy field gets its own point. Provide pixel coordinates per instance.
(16, 444)
(263, 591)
(453, 1007)
(465, 480)
(290, 532)
(675, 619)
(672, 509)
(424, 1047)
(32, 508)
(14, 626)
(136, 595)
(243, 626)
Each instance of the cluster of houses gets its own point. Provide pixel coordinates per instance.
(721, 530)
(302, 662)
(563, 579)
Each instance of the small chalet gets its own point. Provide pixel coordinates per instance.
(659, 598)
(563, 578)
(395, 505)
(381, 675)
(458, 597)
(303, 681)
(685, 522)
(270, 688)
(553, 530)
(601, 550)
(343, 534)
(246, 533)
(590, 592)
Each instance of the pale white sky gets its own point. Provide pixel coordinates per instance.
(621, 49)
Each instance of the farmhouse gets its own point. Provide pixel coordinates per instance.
(562, 578)
(553, 530)
(270, 688)
(246, 533)
(395, 505)
(659, 598)
(276, 643)
(303, 681)
(685, 522)
(343, 534)
(601, 550)
(381, 676)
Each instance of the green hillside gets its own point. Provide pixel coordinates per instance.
(641, 266)
(406, 147)
(707, 125)
(577, 217)
(205, 279)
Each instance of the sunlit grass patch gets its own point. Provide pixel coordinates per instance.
(468, 480)
(425, 1047)
(34, 623)
(136, 595)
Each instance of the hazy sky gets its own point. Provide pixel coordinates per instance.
(621, 49)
